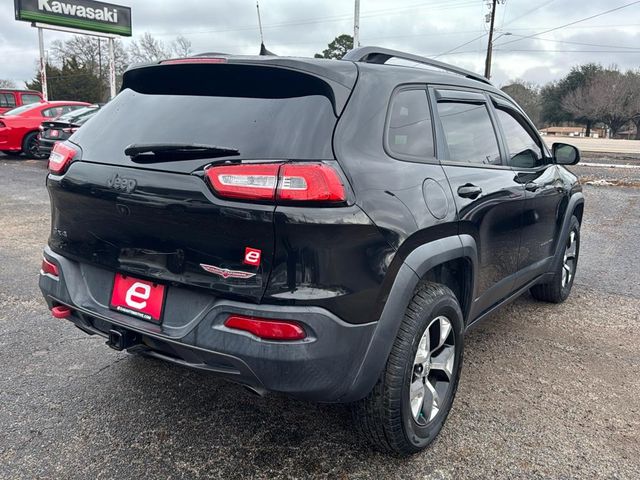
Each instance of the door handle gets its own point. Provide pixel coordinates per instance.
(469, 191)
(531, 187)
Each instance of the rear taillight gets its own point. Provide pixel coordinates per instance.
(70, 130)
(60, 157)
(288, 182)
(254, 181)
(266, 328)
(49, 268)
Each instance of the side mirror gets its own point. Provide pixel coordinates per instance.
(565, 154)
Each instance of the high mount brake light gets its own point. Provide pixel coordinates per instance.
(60, 158)
(266, 328)
(289, 182)
(194, 60)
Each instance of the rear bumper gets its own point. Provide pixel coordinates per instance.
(322, 367)
(45, 145)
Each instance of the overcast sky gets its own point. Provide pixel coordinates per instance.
(304, 27)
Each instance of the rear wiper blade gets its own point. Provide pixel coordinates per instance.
(167, 152)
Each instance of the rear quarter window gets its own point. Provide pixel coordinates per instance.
(409, 132)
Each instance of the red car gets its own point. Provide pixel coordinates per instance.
(11, 98)
(19, 127)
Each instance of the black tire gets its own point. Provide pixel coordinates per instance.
(30, 147)
(557, 290)
(385, 417)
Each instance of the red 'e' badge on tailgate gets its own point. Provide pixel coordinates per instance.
(252, 256)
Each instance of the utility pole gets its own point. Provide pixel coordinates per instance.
(356, 25)
(487, 63)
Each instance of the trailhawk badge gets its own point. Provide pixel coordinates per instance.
(225, 272)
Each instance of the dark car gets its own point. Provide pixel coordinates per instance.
(328, 229)
(52, 131)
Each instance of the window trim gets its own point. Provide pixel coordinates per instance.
(445, 95)
(433, 159)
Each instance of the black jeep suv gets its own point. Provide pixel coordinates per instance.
(324, 228)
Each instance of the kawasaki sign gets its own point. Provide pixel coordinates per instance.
(82, 14)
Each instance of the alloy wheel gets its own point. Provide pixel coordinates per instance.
(432, 374)
(569, 259)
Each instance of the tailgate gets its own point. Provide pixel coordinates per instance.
(160, 219)
(168, 227)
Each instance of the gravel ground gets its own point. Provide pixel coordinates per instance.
(547, 391)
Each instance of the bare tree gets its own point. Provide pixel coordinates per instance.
(527, 95)
(607, 98)
(634, 102)
(148, 49)
(181, 47)
(7, 83)
(92, 54)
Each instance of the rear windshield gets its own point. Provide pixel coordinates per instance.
(78, 116)
(23, 108)
(259, 123)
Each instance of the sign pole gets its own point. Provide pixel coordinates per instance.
(43, 66)
(112, 69)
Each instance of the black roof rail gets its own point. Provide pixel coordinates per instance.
(382, 55)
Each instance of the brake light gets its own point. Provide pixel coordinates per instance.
(70, 130)
(194, 60)
(266, 328)
(289, 182)
(310, 182)
(49, 268)
(60, 157)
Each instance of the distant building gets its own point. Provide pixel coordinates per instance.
(572, 132)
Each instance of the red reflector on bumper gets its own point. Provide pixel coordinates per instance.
(61, 311)
(49, 268)
(266, 328)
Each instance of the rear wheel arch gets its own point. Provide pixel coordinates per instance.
(449, 261)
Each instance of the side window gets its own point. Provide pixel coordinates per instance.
(52, 112)
(29, 98)
(524, 150)
(409, 132)
(7, 100)
(469, 133)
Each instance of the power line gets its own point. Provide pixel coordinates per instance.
(583, 43)
(527, 13)
(570, 23)
(332, 18)
(460, 46)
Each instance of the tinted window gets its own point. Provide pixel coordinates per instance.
(28, 98)
(260, 128)
(53, 112)
(79, 115)
(524, 151)
(409, 130)
(469, 133)
(7, 100)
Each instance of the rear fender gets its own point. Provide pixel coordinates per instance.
(415, 266)
(574, 201)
